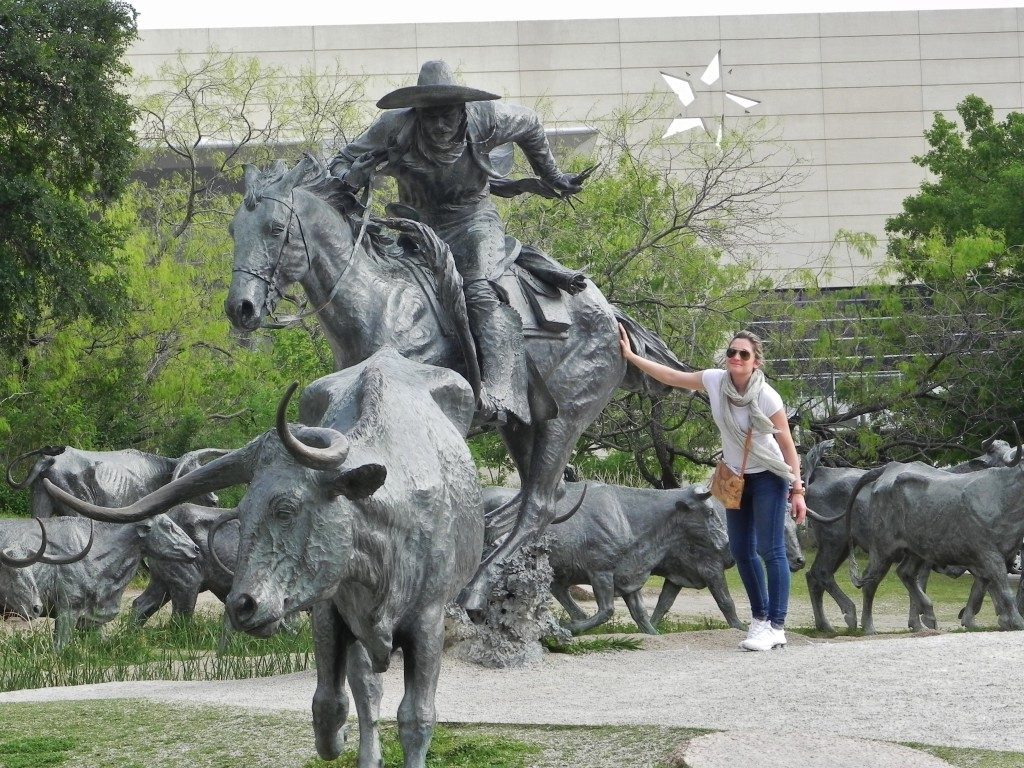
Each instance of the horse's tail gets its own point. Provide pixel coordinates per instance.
(647, 344)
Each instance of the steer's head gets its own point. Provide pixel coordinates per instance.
(702, 522)
(164, 539)
(298, 522)
(19, 594)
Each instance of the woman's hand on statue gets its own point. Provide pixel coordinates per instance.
(624, 345)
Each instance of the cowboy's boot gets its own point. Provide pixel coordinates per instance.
(499, 338)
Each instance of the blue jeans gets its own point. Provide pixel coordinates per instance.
(758, 528)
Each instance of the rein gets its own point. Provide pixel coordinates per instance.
(289, 321)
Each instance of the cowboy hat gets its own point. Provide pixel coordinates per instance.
(435, 87)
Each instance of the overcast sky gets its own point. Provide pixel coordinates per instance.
(178, 14)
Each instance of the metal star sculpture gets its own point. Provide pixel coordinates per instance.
(683, 89)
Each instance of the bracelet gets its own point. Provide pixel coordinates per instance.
(796, 491)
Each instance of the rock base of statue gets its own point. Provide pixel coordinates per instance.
(517, 616)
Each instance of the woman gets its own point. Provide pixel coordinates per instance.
(741, 400)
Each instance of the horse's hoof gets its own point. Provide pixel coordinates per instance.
(473, 600)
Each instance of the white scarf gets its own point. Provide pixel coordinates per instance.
(760, 423)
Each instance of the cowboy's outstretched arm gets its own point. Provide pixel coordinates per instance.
(521, 125)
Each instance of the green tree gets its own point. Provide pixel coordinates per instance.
(978, 185)
(66, 152)
(171, 375)
(674, 234)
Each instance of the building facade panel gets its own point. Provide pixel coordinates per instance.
(849, 94)
(866, 73)
(669, 30)
(974, 20)
(869, 24)
(869, 48)
(570, 56)
(490, 33)
(970, 45)
(366, 36)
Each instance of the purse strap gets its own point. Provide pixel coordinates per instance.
(746, 449)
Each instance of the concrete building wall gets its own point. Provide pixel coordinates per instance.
(850, 93)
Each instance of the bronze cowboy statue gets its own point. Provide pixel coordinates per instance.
(436, 140)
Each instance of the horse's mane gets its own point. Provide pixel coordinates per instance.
(318, 181)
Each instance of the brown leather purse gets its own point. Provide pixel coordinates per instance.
(726, 485)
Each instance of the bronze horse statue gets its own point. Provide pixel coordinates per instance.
(297, 225)
(293, 228)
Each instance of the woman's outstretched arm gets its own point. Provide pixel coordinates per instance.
(664, 374)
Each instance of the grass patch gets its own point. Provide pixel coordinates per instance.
(668, 625)
(36, 752)
(180, 649)
(594, 645)
(966, 757)
(449, 749)
(135, 734)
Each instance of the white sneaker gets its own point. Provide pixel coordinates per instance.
(757, 626)
(765, 640)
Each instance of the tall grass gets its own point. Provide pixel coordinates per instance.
(181, 649)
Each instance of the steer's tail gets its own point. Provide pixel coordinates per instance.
(866, 479)
(647, 344)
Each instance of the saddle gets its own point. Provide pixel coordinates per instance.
(534, 285)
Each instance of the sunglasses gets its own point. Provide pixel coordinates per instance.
(731, 352)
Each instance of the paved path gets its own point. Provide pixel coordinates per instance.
(958, 689)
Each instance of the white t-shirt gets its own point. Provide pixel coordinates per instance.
(770, 403)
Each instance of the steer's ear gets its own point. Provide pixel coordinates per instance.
(359, 482)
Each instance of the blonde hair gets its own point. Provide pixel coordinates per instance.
(756, 344)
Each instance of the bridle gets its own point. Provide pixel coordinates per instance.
(270, 280)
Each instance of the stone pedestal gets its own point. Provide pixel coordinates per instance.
(517, 616)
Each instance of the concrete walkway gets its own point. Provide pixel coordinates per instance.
(949, 689)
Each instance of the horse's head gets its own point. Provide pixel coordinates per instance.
(270, 250)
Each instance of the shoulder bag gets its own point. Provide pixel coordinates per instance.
(726, 485)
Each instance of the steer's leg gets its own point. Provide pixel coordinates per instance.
(992, 568)
(416, 713)
(331, 640)
(878, 566)
(720, 591)
(152, 599)
(974, 603)
(604, 592)
(669, 593)
(924, 572)
(561, 593)
(910, 572)
(367, 690)
(635, 604)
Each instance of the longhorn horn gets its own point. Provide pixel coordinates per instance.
(329, 458)
(987, 443)
(1020, 447)
(17, 562)
(233, 469)
(213, 533)
(574, 510)
(46, 450)
(702, 495)
(499, 510)
(72, 558)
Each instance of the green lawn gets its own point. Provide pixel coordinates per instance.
(132, 734)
